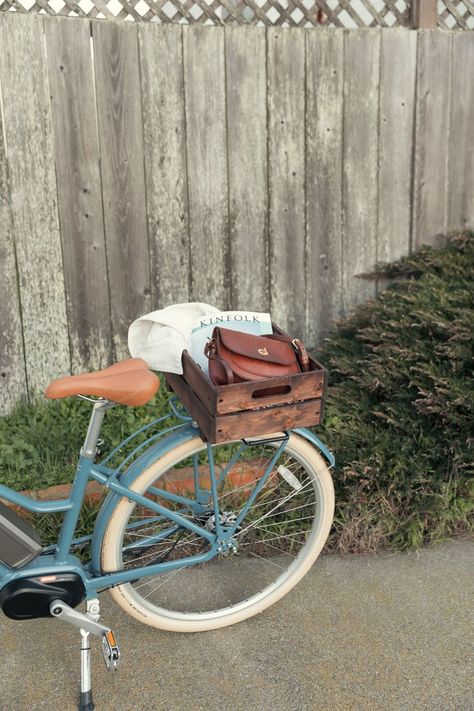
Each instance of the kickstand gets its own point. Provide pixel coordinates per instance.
(85, 699)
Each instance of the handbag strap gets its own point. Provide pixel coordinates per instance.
(210, 352)
(298, 347)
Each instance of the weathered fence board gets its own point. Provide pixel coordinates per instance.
(461, 135)
(204, 81)
(397, 97)
(360, 152)
(286, 110)
(161, 55)
(27, 115)
(247, 164)
(12, 359)
(123, 175)
(324, 83)
(71, 83)
(431, 138)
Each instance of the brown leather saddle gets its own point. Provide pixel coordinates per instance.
(129, 382)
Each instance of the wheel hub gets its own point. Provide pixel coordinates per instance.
(227, 519)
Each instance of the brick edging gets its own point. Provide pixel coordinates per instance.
(177, 481)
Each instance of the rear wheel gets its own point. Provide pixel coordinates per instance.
(281, 536)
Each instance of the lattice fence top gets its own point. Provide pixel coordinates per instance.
(452, 14)
(299, 13)
(456, 14)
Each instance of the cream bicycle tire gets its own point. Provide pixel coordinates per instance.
(178, 621)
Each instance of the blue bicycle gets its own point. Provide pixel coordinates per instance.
(191, 536)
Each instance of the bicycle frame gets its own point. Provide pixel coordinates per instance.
(119, 484)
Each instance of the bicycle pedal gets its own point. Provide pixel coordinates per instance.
(110, 650)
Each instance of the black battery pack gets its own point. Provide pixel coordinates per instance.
(19, 542)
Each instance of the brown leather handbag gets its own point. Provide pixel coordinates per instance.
(237, 357)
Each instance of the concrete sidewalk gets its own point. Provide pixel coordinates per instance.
(384, 633)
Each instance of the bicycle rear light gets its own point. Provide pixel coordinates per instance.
(19, 542)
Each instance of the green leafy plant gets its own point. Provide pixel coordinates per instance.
(400, 411)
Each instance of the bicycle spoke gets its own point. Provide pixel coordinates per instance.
(170, 480)
(289, 537)
(171, 575)
(276, 523)
(254, 570)
(266, 543)
(266, 560)
(268, 503)
(283, 501)
(247, 485)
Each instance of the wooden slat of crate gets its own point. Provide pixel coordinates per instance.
(262, 422)
(240, 396)
(245, 396)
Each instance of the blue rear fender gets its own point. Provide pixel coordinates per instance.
(311, 437)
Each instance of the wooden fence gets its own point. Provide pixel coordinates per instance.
(245, 167)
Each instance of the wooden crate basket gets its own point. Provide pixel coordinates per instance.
(229, 412)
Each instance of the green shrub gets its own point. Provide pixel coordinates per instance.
(400, 411)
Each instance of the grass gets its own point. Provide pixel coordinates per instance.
(39, 443)
(399, 415)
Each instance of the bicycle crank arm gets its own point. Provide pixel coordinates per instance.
(110, 649)
(61, 611)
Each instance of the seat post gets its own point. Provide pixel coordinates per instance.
(89, 447)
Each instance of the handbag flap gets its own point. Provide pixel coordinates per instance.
(257, 347)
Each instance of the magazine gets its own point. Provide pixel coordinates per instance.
(252, 322)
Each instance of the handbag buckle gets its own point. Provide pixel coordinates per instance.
(301, 354)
